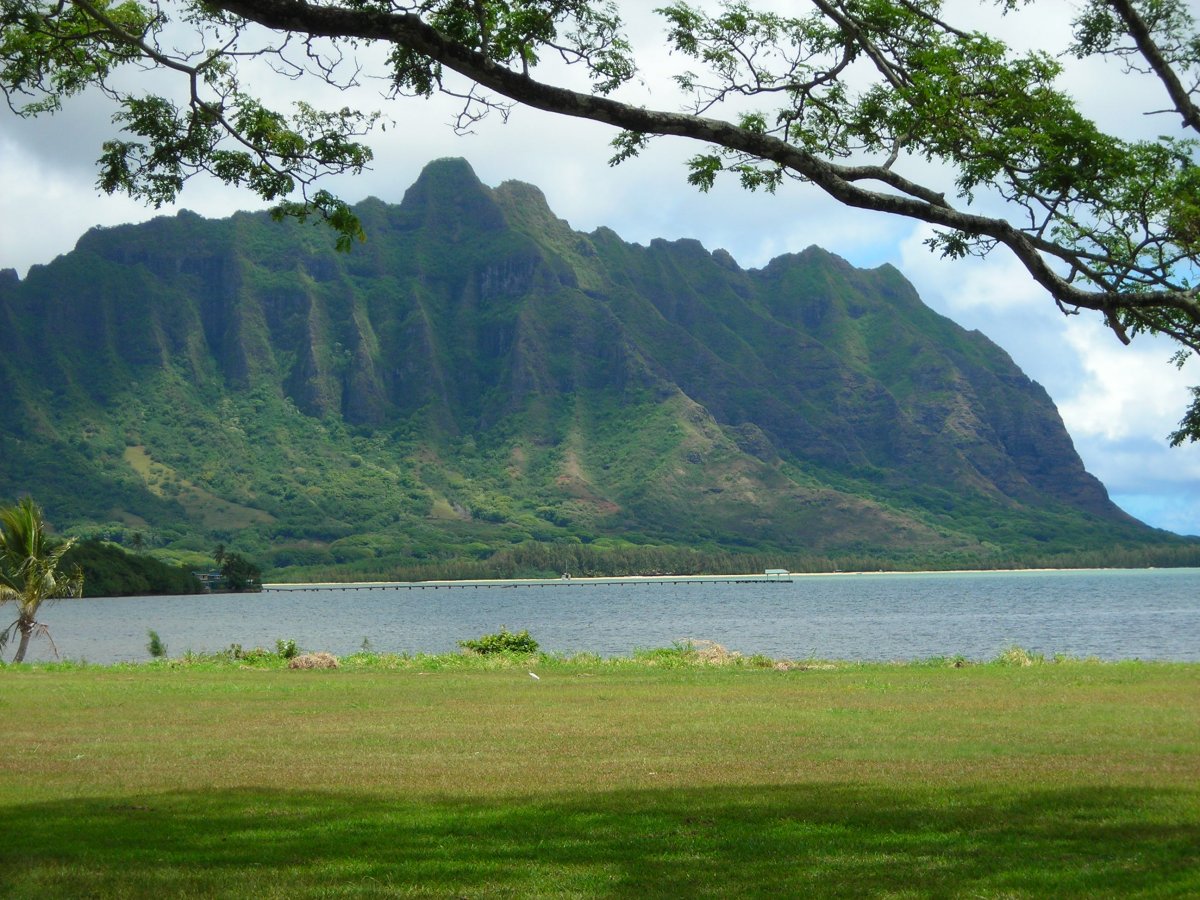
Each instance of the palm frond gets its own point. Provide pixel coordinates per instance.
(29, 569)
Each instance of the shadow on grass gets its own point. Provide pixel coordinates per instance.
(786, 840)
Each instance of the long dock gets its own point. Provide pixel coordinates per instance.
(529, 583)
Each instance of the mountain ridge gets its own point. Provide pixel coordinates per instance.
(479, 375)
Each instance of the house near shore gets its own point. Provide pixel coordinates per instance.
(210, 581)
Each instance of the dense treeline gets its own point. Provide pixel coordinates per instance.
(108, 571)
(551, 560)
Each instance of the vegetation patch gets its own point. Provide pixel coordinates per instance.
(110, 571)
(207, 508)
(503, 641)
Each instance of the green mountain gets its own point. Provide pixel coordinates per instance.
(480, 382)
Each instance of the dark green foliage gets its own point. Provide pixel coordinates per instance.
(502, 641)
(155, 647)
(286, 648)
(240, 574)
(480, 390)
(109, 571)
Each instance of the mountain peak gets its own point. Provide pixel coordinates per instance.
(448, 171)
(448, 194)
(525, 208)
(529, 195)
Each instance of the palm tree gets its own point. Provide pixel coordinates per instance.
(29, 573)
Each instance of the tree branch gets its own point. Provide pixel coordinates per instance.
(1150, 51)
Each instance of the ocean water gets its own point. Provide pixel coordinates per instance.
(1112, 614)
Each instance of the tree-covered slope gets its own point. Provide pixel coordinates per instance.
(477, 376)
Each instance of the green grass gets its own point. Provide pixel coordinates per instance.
(650, 776)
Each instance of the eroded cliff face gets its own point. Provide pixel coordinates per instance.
(478, 365)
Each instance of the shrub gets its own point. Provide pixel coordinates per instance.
(156, 646)
(503, 641)
(286, 649)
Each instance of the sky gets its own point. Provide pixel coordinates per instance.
(1119, 403)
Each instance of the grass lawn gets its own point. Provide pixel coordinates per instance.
(443, 779)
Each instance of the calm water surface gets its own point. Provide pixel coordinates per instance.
(1123, 614)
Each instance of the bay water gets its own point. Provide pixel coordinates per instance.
(1111, 614)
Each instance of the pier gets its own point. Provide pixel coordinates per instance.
(618, 581)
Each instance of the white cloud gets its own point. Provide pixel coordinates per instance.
(1123, 408)
(1126, 390)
